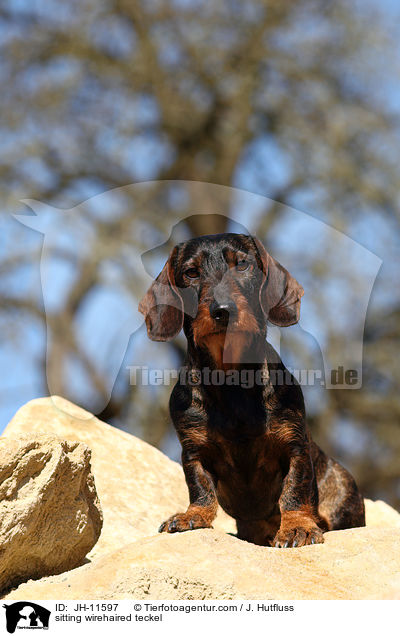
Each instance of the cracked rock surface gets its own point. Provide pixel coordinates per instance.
(50, 516)
(139, 487)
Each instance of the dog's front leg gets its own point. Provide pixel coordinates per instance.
(203, 501)
(297, 505)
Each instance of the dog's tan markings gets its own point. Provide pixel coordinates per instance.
(298, 528)
(247, 448)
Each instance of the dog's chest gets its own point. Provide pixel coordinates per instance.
(248, 475)
(238, 416)
(249, 459)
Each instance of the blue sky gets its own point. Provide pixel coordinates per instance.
(111, 316)
(145, 155)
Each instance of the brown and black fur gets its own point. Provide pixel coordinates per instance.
(247, 449)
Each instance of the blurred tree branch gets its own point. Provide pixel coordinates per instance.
(102, 95)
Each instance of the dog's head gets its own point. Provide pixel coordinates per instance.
(218, 283)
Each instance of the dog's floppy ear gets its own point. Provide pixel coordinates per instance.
(162, 304)
(280, 293)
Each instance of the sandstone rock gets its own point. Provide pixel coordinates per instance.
(360, 563)
(138, 486)
(50, 515)
(379, 515)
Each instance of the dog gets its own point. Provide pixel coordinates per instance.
(246, 448)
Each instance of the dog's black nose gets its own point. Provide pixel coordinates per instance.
(223, 312)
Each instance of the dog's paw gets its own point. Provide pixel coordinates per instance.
(184, 521)
(297, 537)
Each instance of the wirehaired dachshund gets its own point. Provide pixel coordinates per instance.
(245, 445)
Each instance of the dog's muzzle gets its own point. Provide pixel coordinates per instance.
(223, 312)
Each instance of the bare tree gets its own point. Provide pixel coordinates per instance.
(287, 99)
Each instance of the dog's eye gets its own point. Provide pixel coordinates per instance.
(192, 272)
(242, 265)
